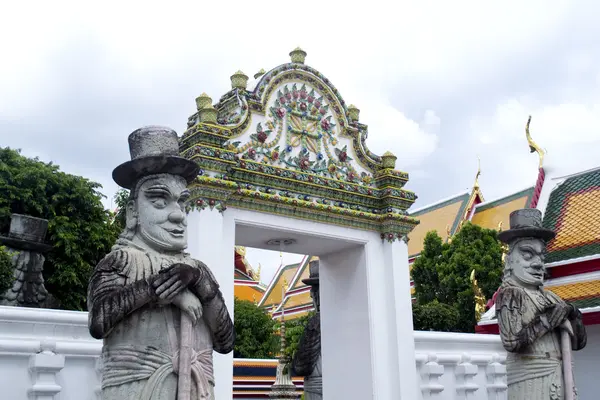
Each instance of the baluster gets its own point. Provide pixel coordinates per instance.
(465, 372)
(44, 366)
(430, 375)
(496, 375)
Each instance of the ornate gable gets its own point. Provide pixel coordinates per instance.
(290, 145)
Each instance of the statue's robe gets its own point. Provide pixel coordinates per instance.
(307, 362)
(534, 366)
(141, 341)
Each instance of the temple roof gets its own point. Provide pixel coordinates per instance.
(585, 294)
(573, 212)
(438, 216)
(284, 275)
(247, 284)
(490, 214)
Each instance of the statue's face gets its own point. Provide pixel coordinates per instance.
(161, 215)
(526, 259)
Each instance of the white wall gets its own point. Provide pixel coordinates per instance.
(345, 313)
(447, 364)
(587, 365)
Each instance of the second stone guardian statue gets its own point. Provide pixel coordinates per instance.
(138, 292)
(537, 328)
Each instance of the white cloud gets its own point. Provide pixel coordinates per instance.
(569, 132)
(84, 77)
(391, 130)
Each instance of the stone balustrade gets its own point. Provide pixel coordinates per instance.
(47, 352)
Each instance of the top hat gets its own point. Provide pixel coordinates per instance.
(526, 222)
(313, 278)
(26, 233)
(154, 150)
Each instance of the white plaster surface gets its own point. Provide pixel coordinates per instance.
(441, 358)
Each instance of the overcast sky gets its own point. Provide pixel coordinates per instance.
(438, 82)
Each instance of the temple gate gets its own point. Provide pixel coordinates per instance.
(284, 162)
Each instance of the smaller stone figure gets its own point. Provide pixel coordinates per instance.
(307, 361)
(25, 242)
(537, 328)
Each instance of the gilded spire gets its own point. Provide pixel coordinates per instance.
(449, 234)
(476, 184)
(258, 273)
(533, 146)
(479, 297)
(503, 246)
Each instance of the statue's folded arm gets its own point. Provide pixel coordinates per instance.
(110, 299)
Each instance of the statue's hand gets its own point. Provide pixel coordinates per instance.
(189, 304)
(172, 280)
(557, 314)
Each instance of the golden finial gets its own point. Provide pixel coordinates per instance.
(503, 246)
(272, 310)
(260, 73)
(239, 80)
(479, 297)
(203, 101)
(285, 285)
(258, 273)
(353, 112)
(241, 250)
(533, 147)
(298, 55)
(476, 184)
(254, 299)
(388, 160)
(449, 233)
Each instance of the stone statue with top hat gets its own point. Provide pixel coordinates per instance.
(25, 243)
(307, 361)
(159, 312)
(537, 328)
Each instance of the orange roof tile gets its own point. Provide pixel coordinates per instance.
(573, 212)
(581, 294)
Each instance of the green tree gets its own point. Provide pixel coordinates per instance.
(435, 316)
(6, 270)
(442, 272)
(293, 332)
(254, 331)
(121, 198)
(80, 230)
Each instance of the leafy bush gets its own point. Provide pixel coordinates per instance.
(6, 270)
(442, 273)
(80, 230)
